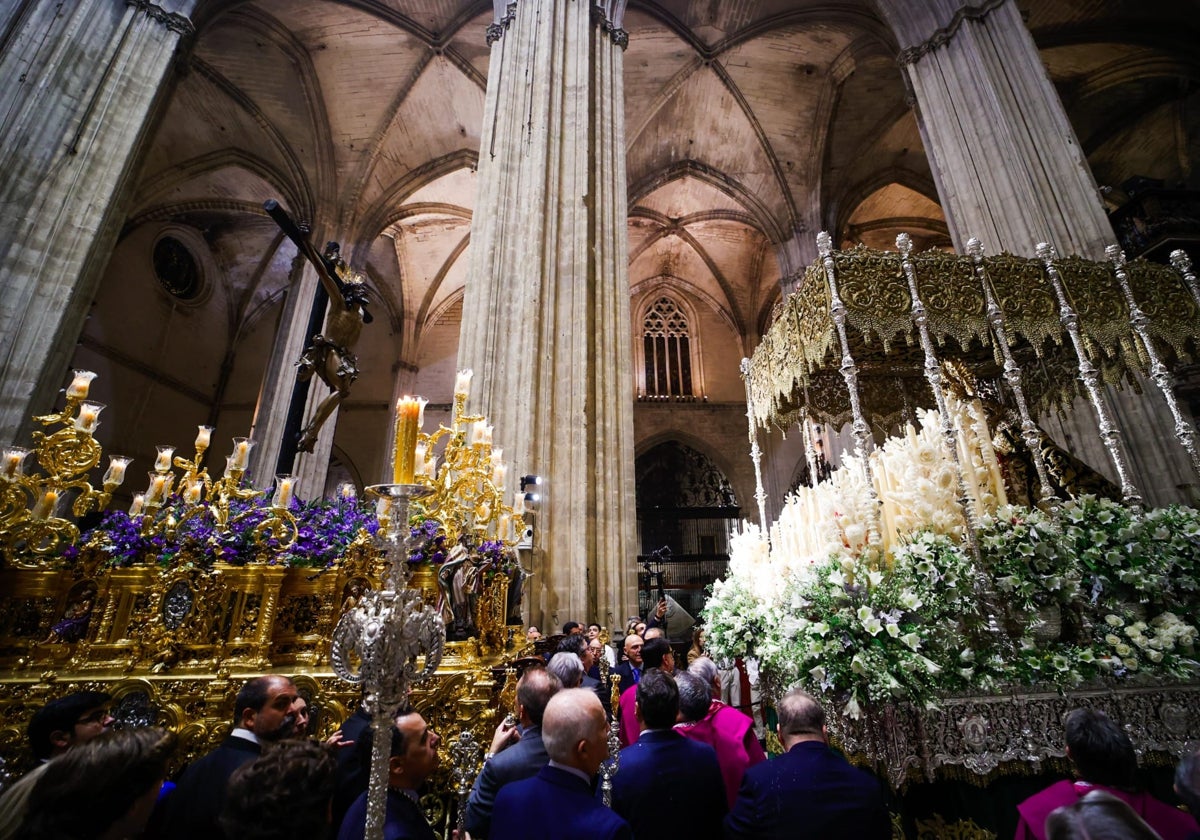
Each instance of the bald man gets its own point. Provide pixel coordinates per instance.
(559, 799)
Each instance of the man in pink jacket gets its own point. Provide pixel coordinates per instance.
(724, 728)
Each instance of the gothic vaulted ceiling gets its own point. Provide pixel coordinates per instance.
(750, 125)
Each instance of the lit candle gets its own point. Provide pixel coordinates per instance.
(230, 465)
(499, 474)
(115, 474)
(497, 455)
(89, 417)
(139, 502)
(45, 506)
(408, 412)
(283, 491)
(163, 462)
(78, 389)
(192, 494)
(519, 505)
(158, 489)
(203, 437)
(487, 435)
(476, 438)
(419, 459)
(430, 466)
(14, 461)
(346, 490)
(462, 383)
(241, 452)
(502, 528)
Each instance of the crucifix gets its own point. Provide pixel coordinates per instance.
(330, 355)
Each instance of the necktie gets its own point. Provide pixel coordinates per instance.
(637, 674)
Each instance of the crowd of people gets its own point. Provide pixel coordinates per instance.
(690, 765)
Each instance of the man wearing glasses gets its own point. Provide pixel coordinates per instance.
(55, 728)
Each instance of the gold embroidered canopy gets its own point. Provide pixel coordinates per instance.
(797, 363)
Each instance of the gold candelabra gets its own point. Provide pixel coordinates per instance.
(468, 484)
(30, 502)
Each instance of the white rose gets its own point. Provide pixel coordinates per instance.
(1113, 620)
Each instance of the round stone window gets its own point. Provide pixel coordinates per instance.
(176, 268)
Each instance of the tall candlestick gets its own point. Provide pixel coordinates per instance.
(163, 462)
(80, 385)
(203, 437)
(462, 383)
(408, 413)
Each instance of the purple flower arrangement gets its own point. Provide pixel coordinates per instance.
(427, 543)
(325, 528)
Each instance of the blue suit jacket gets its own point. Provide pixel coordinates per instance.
(809, 791)
(403, 820)
(193, 808)
(520, 761)
(669, 786)
(554, 805)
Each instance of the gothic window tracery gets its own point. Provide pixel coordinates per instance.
(666, 350)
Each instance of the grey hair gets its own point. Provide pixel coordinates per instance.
(570, 718)
(568, 667)
(705, 669)
(695, 696)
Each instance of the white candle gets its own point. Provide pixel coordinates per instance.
(89, 417)
(462, 383)
(283, 491)
(476, 437)
(139, 502)
(45, 506)
(519, 505)
(158, 489)
(115, 474)
(497, 455)
(203, 437)
(14, 459)
(499, 474)
(193, 492)
(487, 435)
(163, 462)
(420, 458)
(346, 490)
(80, 385)
(504, 526)
(241, 452)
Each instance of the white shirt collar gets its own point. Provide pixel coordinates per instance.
(245, 734)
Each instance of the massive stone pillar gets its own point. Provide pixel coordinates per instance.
(80, 83)
(1010, 171)
(276, 394)
(1007, 164)
(546, 323)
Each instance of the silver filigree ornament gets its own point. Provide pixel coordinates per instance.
(387, 642)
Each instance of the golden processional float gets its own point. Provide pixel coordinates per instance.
(205, 582)
(961, 582)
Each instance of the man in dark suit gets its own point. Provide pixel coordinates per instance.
(667, 785)
(630, 671)
(810, 791)
(414, 758)
(516, 753)
(557, 803)
(656, 653)
(264, 712)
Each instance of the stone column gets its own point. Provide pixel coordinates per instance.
(279, 379)
(1010, 171)
(546, 322)
(81, 81)
(1008, 166)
